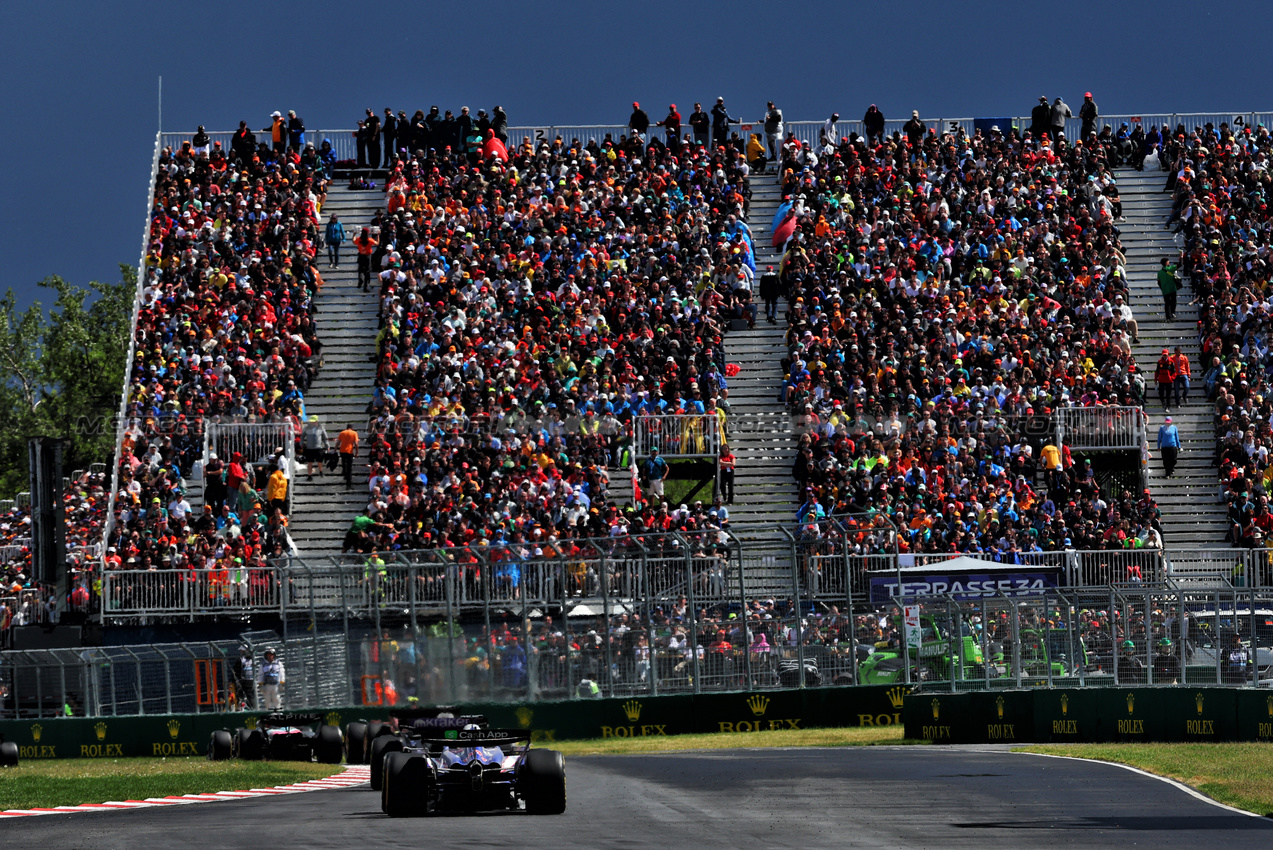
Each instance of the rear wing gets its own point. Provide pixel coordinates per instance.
(413, 712)
(443, 717)
(477, 737)
(281, 719)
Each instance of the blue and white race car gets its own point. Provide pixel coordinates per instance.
(473, 770)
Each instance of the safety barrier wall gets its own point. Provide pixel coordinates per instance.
(1091, 715)
(188, 734)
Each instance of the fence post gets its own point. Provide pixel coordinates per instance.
(605, 609)
(451, 577)
(1215, 634)
(795, 594)
(692, 606)
(1016, 641)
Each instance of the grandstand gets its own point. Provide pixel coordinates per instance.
(965, 303)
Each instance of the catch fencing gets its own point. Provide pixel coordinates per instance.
(1119, 635)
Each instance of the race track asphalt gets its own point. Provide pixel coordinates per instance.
(877, 797)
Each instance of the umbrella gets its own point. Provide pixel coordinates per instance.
(783, 231)
(783, 209)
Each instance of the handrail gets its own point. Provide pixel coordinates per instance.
(108, 524)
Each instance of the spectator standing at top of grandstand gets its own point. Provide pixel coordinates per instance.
(278, 131)
(347, 444)
(638, 121)
(700, 123)
(1040, 118)
(243, 143)
(831, 133)
(873, 124)
(464, 128)
(915, 129)
(314, 442)
(773, 129)
(720, 123)
(200, 141)
(1060, 111)
(671, 125)
(389, 131)
(1167, 283)
(1088, 113)
(1169, 445)
(366, 245)
(499, 124)
(372, 123)
(295, 130)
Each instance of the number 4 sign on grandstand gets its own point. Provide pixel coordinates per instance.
(913, 634)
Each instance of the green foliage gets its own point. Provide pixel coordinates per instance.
(61, 372)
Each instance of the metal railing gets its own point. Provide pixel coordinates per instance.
(1118, 635)
(121, 425)
(257, 442)
(680, 435)
(1091, 428)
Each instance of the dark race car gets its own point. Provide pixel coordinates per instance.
(281, 737)
(405, 730)
(474, 770)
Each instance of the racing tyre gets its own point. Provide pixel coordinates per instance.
(543, 782)
(8, 754)
(221, 747)
(356, 743)
(381, 747)
(329, 746)
(403, 789)
(376, 728)
(249, 744)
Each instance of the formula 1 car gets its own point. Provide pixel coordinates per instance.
(472, 770)
(281, 737)
(405, 731)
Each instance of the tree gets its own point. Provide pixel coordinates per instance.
(61, 374)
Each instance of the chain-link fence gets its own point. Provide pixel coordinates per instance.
(1062, 637)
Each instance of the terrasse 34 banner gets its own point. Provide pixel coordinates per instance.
(962, 585)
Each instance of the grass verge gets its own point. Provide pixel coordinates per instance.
(852, 737)
(1239, 775)
(70, 782)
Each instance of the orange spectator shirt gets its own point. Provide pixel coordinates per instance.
(347, 441)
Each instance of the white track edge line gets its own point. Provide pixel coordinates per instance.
(1192, 792)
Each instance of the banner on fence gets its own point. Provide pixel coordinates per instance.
(961, 585)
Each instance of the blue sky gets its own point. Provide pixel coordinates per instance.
(80, 94)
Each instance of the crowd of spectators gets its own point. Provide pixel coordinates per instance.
(1221, 186)
(533, 301)
(947, 293)
(224, 332)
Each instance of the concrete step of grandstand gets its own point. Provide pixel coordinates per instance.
(760, 429)
(1191, 515)
(347, 324)
(766, 195)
